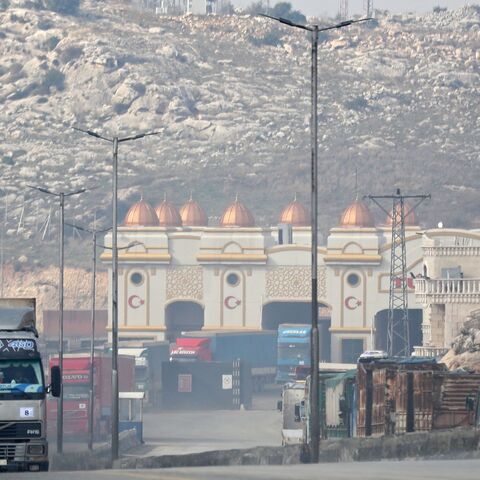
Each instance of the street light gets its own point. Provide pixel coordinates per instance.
(61, 196)
(94, 232)
(115, 141)
(314, 425)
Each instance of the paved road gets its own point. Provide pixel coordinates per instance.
(174, 432)
(411, 470)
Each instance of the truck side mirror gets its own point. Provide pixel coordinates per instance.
(56, 379)
(279, 405)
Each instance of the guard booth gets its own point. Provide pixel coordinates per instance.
(206, 385)
(131, 412)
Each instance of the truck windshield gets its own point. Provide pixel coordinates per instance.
(21, 379)
(299, 352)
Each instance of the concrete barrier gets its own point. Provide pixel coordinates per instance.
(455, 443)
(99, 458)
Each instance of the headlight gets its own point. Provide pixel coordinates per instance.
(36, 449)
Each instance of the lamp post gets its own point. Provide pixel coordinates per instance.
(94, 232)
(314, 424)
(115, 141)
(91, 407)
(61, 196)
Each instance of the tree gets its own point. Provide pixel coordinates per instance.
(256, 7)
(284, 10)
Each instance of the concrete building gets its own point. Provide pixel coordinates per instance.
(187, 275)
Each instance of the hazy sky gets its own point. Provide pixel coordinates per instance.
(315, 7)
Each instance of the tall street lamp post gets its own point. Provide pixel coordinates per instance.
(91, 407)
(314, 424)
(115, 141)
(61, 196)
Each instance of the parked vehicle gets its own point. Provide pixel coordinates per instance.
(258, 349)
(76, 392)
(291, 406)
(23, 423)
(337, 401)
(293, 351)
(148, 373)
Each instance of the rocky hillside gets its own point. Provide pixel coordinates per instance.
(42, 284)
(229, 95)
(465, 351)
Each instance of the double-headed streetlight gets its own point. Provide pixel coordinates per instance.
(95, 232)
(314, 424)
(115, 141)
(61, 196)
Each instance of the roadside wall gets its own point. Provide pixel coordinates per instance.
(98, 459)
(456, 443)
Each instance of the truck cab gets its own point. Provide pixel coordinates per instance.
(23, 442)
(191, 350)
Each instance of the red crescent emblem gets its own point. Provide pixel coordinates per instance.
(135, 301)
(231, 302)
(352, 303)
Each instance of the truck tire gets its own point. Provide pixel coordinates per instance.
(43, 467)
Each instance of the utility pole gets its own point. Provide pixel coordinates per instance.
(398, 339)
(314, 424)
(368, 7)
(61, 196)
(343, 9)
(95, 232)
(115, 413)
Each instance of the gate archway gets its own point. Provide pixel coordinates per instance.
(182, 316)
(415, 317)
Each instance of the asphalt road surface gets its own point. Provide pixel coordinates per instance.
(175, 432)
(411, 470)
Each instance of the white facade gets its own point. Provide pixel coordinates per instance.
(241, 278)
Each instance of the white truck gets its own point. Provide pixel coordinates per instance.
(23, 429)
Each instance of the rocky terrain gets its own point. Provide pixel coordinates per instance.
(465, 351)
(230, 96)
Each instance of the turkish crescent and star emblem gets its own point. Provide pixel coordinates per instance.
(231, 302)
(352, 303)
(134, 301)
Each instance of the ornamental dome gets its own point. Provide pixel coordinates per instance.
(167, 214)
(141, 214)
(193, 215)
(357, 215)
(410, 217)
(237, 215)
(295, 214)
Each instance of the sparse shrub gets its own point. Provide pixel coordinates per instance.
(70, 53)
(69, 7)
(4, 4)
(272, 38)
(357, 104)
(53, 78)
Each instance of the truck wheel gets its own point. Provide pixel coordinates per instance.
(43, 467)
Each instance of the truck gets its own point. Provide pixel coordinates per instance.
(23, 421)
(76, 392)
(293, 350)
(291, 404)
(257, 348)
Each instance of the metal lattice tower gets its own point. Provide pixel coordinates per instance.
(343, 12)
(398, 339)
(368, 8)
